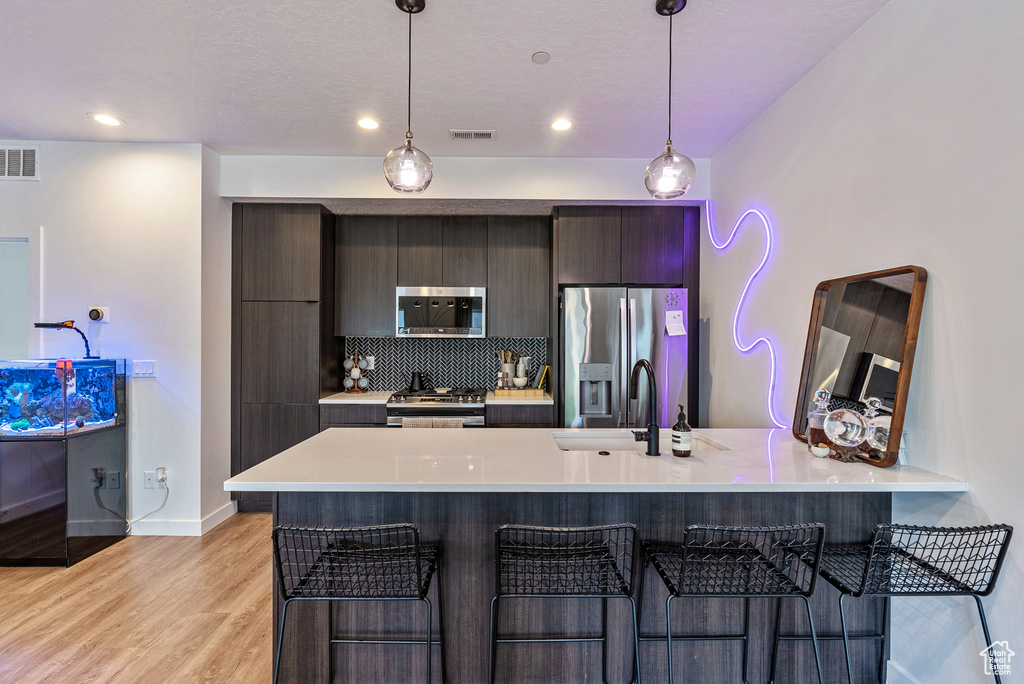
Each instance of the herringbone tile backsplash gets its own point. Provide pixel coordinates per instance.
(450, 362)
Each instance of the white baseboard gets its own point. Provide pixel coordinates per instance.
(167, 528)
(184, 528)
(897, 675)
(219, 516)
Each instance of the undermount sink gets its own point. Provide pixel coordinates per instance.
(622, 440)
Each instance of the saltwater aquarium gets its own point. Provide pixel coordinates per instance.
(59, 398)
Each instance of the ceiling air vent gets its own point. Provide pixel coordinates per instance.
(19, 163)
(464, 134)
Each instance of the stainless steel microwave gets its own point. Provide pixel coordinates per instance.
(440, 311)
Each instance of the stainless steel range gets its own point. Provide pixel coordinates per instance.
(437, 408)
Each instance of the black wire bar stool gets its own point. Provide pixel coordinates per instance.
(737, 562)
(564, 562)
(907, 560)
(374, 563)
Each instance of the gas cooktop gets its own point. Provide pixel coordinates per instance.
(458, 396)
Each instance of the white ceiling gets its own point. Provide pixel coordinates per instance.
(291, 76)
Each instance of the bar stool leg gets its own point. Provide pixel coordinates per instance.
(746, 635)
(668, 634)
(330, 636)
(430, 639)
(814, 640)
(280, 640)
(440, 624)
(984, 627)
(494, 638)
(884, 632)
(846, 640)
(775, 647)
(636, 640)
(604, 640)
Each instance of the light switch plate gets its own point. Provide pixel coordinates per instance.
(144, 369)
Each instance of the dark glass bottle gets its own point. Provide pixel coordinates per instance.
(682, 436)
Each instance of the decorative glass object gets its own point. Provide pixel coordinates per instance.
(846, 427)
(878, 425)
(408, 169)
(816, 437)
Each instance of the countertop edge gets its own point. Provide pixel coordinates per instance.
(532, 488)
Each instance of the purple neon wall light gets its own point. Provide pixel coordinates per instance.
(748, 348)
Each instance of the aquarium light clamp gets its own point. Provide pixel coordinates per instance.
(70, 324)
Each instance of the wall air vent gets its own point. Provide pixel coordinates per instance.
(464, 134)
(19, 163)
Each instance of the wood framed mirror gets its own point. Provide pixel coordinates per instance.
(860, 344)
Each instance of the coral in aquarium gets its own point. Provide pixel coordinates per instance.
(40, 399)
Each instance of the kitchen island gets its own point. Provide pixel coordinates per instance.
(457, 486)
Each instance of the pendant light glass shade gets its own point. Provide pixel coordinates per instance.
(408, 169)
(670, 175)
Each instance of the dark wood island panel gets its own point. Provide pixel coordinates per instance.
(465, 522)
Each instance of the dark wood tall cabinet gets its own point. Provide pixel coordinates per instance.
(367, 267)
(284, 352)
(518, 276)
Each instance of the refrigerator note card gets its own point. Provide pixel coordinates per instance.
(674, 323)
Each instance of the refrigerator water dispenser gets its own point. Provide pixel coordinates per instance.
(596, 389)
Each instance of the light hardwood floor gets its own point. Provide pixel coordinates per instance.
(146, 610)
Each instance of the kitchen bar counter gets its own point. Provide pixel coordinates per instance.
(458, 486)
(529, 460)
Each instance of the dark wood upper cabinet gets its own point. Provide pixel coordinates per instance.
(280, 252)
(419, 251)
(464, 258)
(589, 240)
(280, 350)
(367, 275)
(518, 276)
(652, 245)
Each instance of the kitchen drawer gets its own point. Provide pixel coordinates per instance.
(520, 415)
(352, 415)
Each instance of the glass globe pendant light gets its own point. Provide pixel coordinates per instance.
(408, 169)
(670, 175)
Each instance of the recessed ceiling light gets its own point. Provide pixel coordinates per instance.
(107, 119)
(561, 124)
(540, 57)
(367, 123)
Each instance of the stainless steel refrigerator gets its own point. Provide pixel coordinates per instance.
(606, 331)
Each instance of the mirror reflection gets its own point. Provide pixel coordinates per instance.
(863, 328)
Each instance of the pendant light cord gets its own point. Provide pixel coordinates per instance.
(408, 99)
(669, 79)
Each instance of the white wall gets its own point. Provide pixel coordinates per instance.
(904, 146)
(216, 504)
(14, 318)
(122, 228)
(511, 178)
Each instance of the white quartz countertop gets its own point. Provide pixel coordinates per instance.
(545, 400)
(356, 398)
(530, 460)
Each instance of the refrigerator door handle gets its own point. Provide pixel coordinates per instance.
(631, 354)
(624, 385)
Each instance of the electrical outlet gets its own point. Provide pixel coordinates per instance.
(150, 479)
(161, 475)
(144, 369)
(369, 362)
(113, 479)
